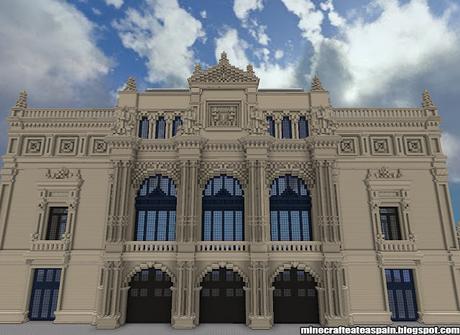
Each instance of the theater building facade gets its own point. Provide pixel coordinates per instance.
(226, 203)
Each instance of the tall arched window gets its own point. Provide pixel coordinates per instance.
(176, 124)
(286, 130)
(156, 210)
(223, 210)
(303, 127)
(271, 125)
(161, 128)
(290, 206)
(144, 127)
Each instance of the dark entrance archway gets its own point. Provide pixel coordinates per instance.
(222, 297)
(149, 297)
(295, 299)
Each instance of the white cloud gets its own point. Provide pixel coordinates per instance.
(48, 48)
(334, 18)
(310, 19)
(279, 54)
(204, 14)
(115, 3)
(96, 11)
(242, 8)
(164, 34)
(451, 147)
(402, 41)
(271, 75)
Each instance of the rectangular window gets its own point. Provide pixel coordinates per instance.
(401, 294)
(303, 127)
(217, 226)
(389, 220)
(284, 226)
(161, 128)
(44, 295)
(144, 127)
(228, 226)
(176, 124)
(274, 225)
(286, 131)
(271, 126)
(207, 226)
(56, 223)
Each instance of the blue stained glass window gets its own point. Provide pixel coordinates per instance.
(290, 205)
(303, 127)
(223, 205)
(161, 128)
(271, 125)
(156, 210)
(144, 127)
(401, 294)
(286, 131)
(44, 295)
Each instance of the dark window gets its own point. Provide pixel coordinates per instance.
(176, 124)
(56, 223)
(389, 221)
(271, 125)
(44, 296)
(286, 130)
(223, 208)
(161, 128)
(303, 127)
(156, 210)
(290, 206)
(401, 294)
(144, 127)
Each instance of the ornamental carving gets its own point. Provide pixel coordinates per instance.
(62, 173)
(125, 123)
(223, 114)
(384, 173)
(67, 146)
(257, 122)
(190, 124)
(380, 146)
(99, 146)
(303, 170)
(144, 169)
(414, 146)
(34, 146)
(209, 170)
(321, 122)
(348, 146)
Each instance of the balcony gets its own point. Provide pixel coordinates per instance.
(396, 245)
(295, 246)
(222, 246)
(150, 246)
(37, 244)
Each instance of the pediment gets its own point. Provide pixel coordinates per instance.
(223, 73)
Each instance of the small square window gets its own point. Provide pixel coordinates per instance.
(215, 292)
(301, 292)
(143, 292)
(311, 292)
(158, 292)
(277, 292)
(166, 292)
(287, 292)
(205, 292)
(229, 292)
(134, 292)
(286, 276)
(239, 292)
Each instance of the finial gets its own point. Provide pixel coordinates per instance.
(130, 85)
(197, 68)
(223, 58)
(250, 70)
(316, 84)
(426, 100)
(22, 100)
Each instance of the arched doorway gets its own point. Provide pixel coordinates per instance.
(222, 297)
(149, 297)
(295, 299)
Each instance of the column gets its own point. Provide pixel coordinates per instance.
(109, 294)
(259, 295)
(184, 305)
(335, 294)
(7, 179)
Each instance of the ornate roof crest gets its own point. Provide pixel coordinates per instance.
(22, 100)
(223, 73)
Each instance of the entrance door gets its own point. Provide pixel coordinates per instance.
(222, 298)
(45, 291)
(294, 298)
(149, 297)
(401, 294)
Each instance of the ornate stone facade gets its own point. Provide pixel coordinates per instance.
(354, 162)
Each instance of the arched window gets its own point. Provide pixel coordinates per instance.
(176, 124)
(303, 127)
(156, 210)
(290, 206)
(286, 131)
(223, 210)
(161, 128)
(271, 125)
(144, 127)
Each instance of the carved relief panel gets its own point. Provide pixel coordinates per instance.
(223, 114)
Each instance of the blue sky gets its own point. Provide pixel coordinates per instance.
(367, 52)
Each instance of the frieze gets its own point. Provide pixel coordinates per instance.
(221, 114)
(384, 173)
(62, 173)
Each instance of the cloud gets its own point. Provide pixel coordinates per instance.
(242, 8)
(271, 75)
(279, 54)
(115, 3)
(164, 34)
(204, 14)
(451, 147)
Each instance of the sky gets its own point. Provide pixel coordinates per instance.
(368, 53)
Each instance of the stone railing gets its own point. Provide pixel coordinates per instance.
(222, 246)
(67, 113)
(150, 246)
(396, 245)
(378, 113)
(49, 245)
(295, 246)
